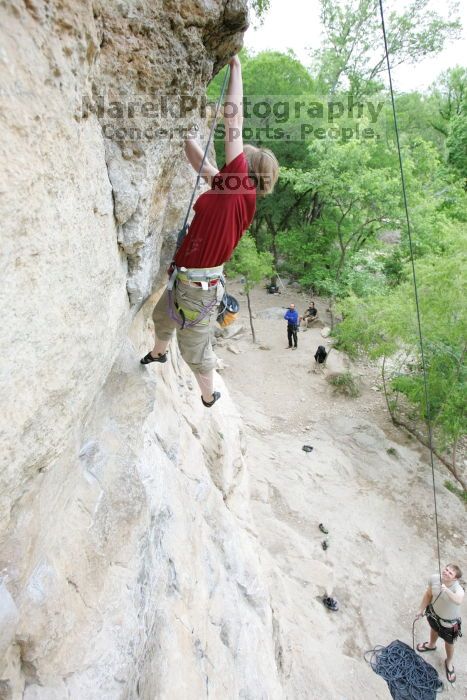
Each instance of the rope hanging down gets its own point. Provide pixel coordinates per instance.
(409, 677)
(419, 324)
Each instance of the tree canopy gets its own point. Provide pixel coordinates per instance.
(336, 222)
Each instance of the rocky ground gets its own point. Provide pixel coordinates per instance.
(369, 483)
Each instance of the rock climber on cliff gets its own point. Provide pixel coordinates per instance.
(222, 215)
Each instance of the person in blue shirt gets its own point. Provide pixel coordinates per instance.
(291, 316)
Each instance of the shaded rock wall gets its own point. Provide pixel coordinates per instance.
(128, 567)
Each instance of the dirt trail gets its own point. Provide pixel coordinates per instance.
(366, 481)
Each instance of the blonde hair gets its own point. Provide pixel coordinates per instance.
(263, 168)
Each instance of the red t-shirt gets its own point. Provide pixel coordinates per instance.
(222, 215)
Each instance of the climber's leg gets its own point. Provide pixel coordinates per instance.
(160, 347)
(195, 342)
(164, 327)
(206, 384)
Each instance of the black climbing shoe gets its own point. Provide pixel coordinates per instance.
(323, 529)
(325, 545)
(147, 359)
(215, 397)
(330, 603)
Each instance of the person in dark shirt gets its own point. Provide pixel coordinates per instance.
(291, 316)
(310, 315)
(222, 215)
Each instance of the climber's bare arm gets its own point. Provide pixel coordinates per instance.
(233, 112)
(194, 153)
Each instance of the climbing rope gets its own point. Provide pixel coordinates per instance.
(414, 277)
(176, 313)
(183, 230)
(408, 676)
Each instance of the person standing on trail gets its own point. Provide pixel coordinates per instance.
(441, 604)
(291, 316)
(222, 215)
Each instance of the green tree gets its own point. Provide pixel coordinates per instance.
(449, 97)
(352, 55)
(359, 194)
(253, 266)
(457, 146)
(260, 7)
(385, 326)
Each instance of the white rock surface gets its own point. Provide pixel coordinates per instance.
(152, 561)
(125, 532)
(9, 618)
(378, 509)
(337, 363)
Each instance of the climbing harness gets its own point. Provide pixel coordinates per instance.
(407, 674)
(456, 622)
(205, 279)
(454, 629)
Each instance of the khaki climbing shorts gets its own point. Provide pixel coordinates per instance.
(194, 341)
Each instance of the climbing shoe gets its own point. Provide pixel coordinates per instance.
(330, 603)
(323, 529)
(325, 545)
(215, 397)
(147, 359)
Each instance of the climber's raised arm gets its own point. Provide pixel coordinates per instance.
(194, 153)
(222, 215)
(233, 112)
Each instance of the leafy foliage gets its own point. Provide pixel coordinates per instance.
(348, 58)
(248, 262)
(457, 145)
(386, 324)
(345, 384)
(253, 266)
(336, 222)
(461, 493)
(260, 7)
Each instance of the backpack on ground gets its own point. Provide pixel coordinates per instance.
(321, 355)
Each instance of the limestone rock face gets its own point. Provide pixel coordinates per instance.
(9, 618)
(143, 575)
(128, 567)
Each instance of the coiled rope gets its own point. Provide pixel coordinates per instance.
(408, 676)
